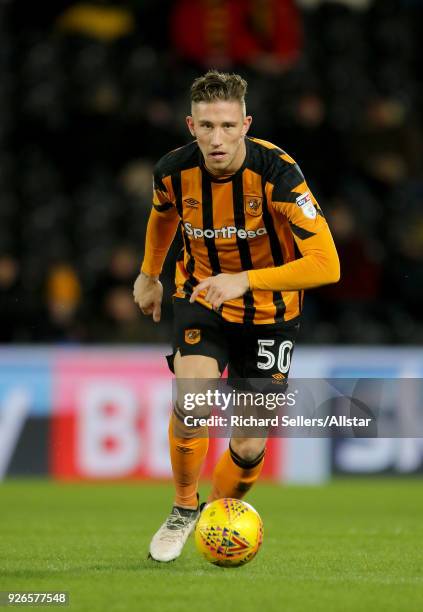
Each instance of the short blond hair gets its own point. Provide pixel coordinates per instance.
(215, 85)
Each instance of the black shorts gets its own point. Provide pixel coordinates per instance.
(250, 351)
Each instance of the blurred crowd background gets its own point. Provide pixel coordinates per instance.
(93, 93)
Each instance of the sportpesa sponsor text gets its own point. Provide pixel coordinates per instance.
(228, 231)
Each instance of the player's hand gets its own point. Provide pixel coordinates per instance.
(222, 288)
(148, 294)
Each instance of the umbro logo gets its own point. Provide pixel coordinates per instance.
(191, 202)
(279, 379)
(185, 450)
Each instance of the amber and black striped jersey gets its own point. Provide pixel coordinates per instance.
(262, 219)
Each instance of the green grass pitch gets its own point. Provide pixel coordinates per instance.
(351, 545)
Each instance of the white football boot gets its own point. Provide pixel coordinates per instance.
(169, 540)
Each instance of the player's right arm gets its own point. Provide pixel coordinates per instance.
(161, 229)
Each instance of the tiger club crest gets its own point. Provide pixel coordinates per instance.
(192, 336)
(253, 205)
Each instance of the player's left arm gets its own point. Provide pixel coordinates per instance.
(319, 264)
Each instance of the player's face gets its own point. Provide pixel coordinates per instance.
(220, 128)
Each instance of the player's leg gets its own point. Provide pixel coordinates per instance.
(188, 445)
(263, 352)
(188, 448)
(238, 468)
(199, 355)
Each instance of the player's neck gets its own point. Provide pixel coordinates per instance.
(220, 175)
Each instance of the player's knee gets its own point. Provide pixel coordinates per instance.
(195, 366)
(187, 406)
(195, 397)
(248, 449)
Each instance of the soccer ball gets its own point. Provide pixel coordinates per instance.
(229, 532)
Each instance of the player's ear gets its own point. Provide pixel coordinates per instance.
(190, 124)
(246, 124)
